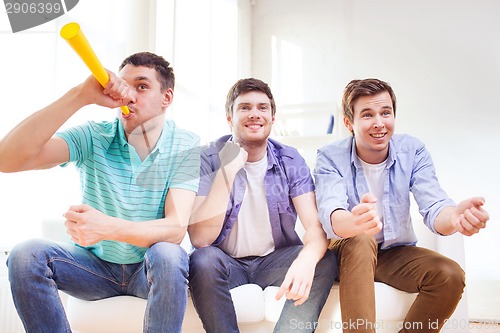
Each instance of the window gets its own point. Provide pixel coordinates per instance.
(210, 50)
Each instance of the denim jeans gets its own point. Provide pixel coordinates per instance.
(213, 273)
(39, 268)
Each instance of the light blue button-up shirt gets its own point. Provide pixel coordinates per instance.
(340, 183)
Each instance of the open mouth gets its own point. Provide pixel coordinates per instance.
(253, 126)
(131, 112)
(378, 135)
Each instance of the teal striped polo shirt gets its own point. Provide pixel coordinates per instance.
(116, 182)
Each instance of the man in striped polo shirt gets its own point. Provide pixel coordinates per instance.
(139, 175)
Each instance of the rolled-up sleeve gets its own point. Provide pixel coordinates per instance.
(331, 191)
(427, 191)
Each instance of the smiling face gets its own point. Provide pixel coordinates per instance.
(372, 126)
(251, 119)
(149, 103)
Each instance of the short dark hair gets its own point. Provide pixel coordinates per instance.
(164, 72)
(366, 87)
(246, 85)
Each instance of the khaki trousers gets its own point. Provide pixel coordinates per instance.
(438, 280)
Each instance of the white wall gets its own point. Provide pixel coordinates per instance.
(442, 58)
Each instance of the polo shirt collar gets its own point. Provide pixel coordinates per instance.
(163, 140)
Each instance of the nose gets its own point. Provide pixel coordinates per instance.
(378, 123)
(132, 97)
(254, 113)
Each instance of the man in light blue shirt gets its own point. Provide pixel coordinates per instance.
(139, 175)
(363, 186)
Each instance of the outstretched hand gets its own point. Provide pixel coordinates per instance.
(471, 216)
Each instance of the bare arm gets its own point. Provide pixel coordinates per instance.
(299, 278)
(31, 145)
(88, 226)
(209, 211)
(315, 242)
(363, 219)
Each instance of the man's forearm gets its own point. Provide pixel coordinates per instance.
(147, 233)
(342, 223)
(444, 221)
(208, 216)
(315, 243)
(28, 138)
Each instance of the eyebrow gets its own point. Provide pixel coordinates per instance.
(385, 107)
(249, 103)
(142, 78)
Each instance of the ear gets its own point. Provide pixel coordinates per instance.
(348, 124)
(168, 96)
(229, 121)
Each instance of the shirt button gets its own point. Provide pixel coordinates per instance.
(237, 206)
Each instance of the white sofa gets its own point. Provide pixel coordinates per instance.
(256, 309)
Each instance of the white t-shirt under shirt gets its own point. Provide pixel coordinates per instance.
(251, 235)
(375, 176)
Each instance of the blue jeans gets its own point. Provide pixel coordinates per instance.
(213, 273)
(39, 268)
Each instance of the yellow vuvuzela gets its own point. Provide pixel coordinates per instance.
(72, 33)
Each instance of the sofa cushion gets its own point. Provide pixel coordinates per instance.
(385, 296)
(121, 314)
(124, 314)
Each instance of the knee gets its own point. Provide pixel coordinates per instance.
(363, 241)
(361, 247)
(451, 276)
(24, 257)
(204, 257)
(166, 256)
(205, 262)
(26, 253)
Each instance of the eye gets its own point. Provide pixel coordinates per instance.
(142, 87)
(244, 108)
(366, 115)
(264, 108)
